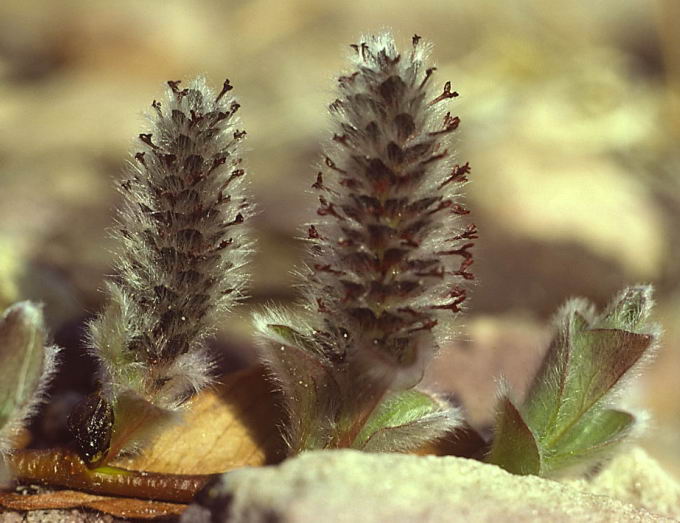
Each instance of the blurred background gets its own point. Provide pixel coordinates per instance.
(570, 120)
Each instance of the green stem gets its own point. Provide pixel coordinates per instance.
(61, 467)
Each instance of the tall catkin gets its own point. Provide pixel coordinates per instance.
(182, 247)
(390, 253)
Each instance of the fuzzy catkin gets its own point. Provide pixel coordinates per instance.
(183, 244)
(390, 253)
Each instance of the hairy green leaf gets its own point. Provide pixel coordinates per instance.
(595, 435)
(548, 391)
(291, 336)
(25, 365)
(629, 310)
(406, 420)
(305, 379)
(21, 356)
(566, 408)
(514, 447)
(582, 367)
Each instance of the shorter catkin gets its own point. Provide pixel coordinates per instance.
(182, 248)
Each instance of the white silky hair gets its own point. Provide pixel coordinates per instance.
(183, 246)
(387, 121)
(28, 363)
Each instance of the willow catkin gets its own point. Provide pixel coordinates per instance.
(182, 247)
(389, 254)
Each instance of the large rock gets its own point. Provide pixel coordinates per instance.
(636, 478)
(349, 486)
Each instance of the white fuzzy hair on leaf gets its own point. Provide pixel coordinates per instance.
(27, 364)
(573, 407)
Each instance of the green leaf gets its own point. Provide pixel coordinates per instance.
(547, 393)
(22, 361)
(602, 358)
(581, 368)
(595, 435)
(586, 361)
(514, 447)
(110, 334)
(291, 336)
(629, 310)
(310, 392)
(21, 356)
(406, 420)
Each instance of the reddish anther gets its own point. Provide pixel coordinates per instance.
(226, 87)
(146, 138)
(445, 95)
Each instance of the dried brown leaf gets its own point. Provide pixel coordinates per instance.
(233, 425)
(66, 499)
(464, 442)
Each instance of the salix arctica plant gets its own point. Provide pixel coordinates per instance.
(180, 267)
(570, 418)
(389, 255)
(27, 363)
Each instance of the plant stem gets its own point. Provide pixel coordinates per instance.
(64, 468)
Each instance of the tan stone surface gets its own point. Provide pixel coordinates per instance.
(347, 485)
(634, 477)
